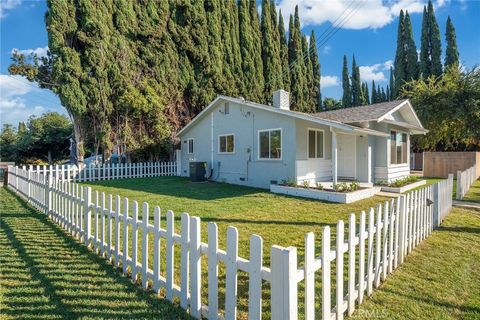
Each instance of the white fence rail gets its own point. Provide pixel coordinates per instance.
(465, 179)
(107, 171)
(372, 248)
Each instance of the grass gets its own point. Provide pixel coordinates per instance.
(439, 280)
(473, 194)
(45, 274)
(280, 220)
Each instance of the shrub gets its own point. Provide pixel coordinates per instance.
(354, 185)
(319, 186)
(289, 183)
(306, 184)
(341, 187)
(403, 181)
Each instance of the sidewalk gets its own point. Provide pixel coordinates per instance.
(466, 204)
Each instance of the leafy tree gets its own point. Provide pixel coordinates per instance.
(411, 71)
(451, 53)
(365, 94)
(374, 93)
(406, 60)
(450, 129)
(332, 104)
(430, 51)
(298, 76)
(309, 98)
(8, 143)
(272, 67)
(347, 93)
(356, 85)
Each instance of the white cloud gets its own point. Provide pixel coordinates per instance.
(40, 52)
(6, 5)
(329, 81)
(369, 73)
(15, 86)
(388, 64)
(326, 49)
(349, 14)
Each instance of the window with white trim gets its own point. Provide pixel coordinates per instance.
(398, 148)
(315, 144)
(226, 143)
(190, 146)
(270, 144)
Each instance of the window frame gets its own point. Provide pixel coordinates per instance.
(188, 145)
(316, 145)
(269, 144)
(407, 136)
(226, 135)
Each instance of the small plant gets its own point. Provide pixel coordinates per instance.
(354, 186)
(341, 187)
(306, 184)
(382, 182)
(403, 181)
(289, 183)
(319, 185)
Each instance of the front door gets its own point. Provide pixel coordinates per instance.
(346, 162)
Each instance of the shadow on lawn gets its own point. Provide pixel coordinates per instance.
(74, 281)
(181, 187)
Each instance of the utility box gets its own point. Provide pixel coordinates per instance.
(197, 171)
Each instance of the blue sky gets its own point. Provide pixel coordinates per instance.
(368, 30)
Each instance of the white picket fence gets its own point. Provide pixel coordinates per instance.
(374, 246)
(465, 179)
(107, 171)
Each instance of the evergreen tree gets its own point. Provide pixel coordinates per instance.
(451, 53)
(411, 68)
(307, 96)
(430, 51)
(384, 95)
(284, 53)
(392, 86)
(347, 93)
(400, 55)
(315, 89)
(272, 67)
(374, 93)
(298, 86)
(356, 85)
(388, 94)
(251, 56)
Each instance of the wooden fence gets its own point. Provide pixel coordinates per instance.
(107, 171)
(374, 246)
(441, 164)
(465, 179)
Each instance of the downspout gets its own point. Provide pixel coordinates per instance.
(211, 140)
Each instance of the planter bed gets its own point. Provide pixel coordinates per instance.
(327, 195)
(404, 188)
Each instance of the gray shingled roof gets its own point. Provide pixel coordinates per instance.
(359, 114)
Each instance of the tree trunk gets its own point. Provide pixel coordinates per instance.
(49, 157)
(79, 152)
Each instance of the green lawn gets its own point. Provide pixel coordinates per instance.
(473, 194)
(279, 219)
(439, 280)
(45, 274)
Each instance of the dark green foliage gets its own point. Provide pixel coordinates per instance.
(298, 74)
(356, 85)
(392, 86)
(272, 67)
(406, 60)
(411, 71)
(308, 96)
(315, 93)
(284, 53)
(387, 93)
(374, 93)
(46, 138)
(332, 104)
(365, 94)
(451, 53)
(430, 51)
(347, 93)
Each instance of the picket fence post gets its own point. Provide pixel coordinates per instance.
(284, 291)
(87, 211)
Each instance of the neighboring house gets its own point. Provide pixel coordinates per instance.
(257, 145)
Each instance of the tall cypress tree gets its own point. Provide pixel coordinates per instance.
(411, 68)
(400, 55)
(451, 53)
(431, 50)
(392, 86)
(270, 55)
(307, 96)
(384, 95)
(315, 89)
(250, 49)
(387, 94)
(297, 65)
(284, 53)
(347, 93)
(356, 85)
(374, 92)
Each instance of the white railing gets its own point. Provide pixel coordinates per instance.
(375, 246)
(465, 179)
(107, 171)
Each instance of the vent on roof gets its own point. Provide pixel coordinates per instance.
(281, 99)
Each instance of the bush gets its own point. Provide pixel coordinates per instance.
(319, 186)
(289, 183)
(306, 184)
(403, 181)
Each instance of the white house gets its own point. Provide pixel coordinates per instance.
(257, 145)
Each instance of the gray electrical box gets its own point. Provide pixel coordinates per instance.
(197, 171)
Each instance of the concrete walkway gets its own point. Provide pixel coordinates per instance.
(466, 204)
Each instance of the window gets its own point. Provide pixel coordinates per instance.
(398, 148)
(270, 144)
(190, 146)
(226, 143)
(315, 143)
